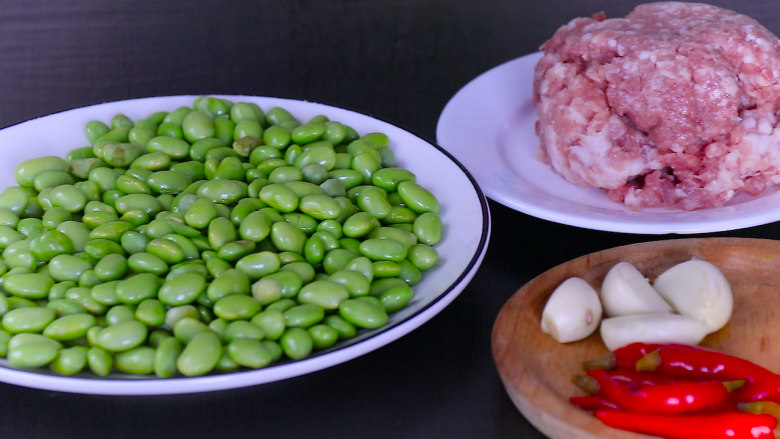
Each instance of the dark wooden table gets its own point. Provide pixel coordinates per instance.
(400, 60)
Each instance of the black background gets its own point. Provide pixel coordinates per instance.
(398, 60)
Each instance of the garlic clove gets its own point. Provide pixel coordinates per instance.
(572, 312)
(661, 327)
(626, 291)
(698, 289)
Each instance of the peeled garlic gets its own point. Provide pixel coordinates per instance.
(626, 291)
(572, 312)
(697, 289)
(661, 327)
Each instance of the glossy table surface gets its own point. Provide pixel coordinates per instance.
(399, 60)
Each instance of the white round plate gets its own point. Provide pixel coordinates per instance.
(464, 213)
(489, 126)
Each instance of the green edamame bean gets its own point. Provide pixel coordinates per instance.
(249, 353)
(67, 196)
(240, 329)
(386, 269)
(362, 313)
(133, 242)
(67, 267)
(323, 336)
(77, 232)
(32, 355)
(230, 281)
(223, 191)
(200, 355)
(139, 361)
(165, 249)
(246, 111)
(105, 293)
(138, 287)
(356, 283)
(337, 259)
(168, 182)
(8, 236)
(100, 248)
(112, 267)
(177, 313)
(428, 228)
(233, 251)
(14, 199)
(321, 207)
(182, 289)
(220, 232)
(388, 178)
(26, 171)
(143, 202)
(8, 218)
(197, 125)
(383, 249)
(287, 237)
(50, 179)
(303, 315)
(324, 293)
(271, 322)
(296, 343)
(359, 224)
(99, 361)
(69, 327)
(236, 306)
(259, 264)
(396, 298)
(290, 280)
(165, 357)
(70, 361)
(94, 129)
(255, 227)
(28, 285)
(176, 148)
(143, 262)
(279, 197)
(417, 197)
(150, 312)
(112, 230)
(63, 307)
(122, 336)
(200, 213)
(409, 273)
(83, 296)
(335, 132)
(321, 153)
(58, 290)
(423, 256)
(27, 319)
(141, 132)
(55, 216)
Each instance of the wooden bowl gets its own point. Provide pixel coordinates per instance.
(536, 370)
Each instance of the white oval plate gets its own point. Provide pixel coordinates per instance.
(464, 212)
(489, 126)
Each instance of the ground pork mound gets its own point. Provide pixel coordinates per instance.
(673, 106)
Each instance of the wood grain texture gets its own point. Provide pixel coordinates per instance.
(536, 370)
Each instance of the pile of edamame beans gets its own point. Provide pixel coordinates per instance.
(207, 239)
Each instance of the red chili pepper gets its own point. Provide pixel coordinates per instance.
(636, 378)
(661, 397)
(592, 403)
(730, 425)
(627, 356)
(696, 363)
